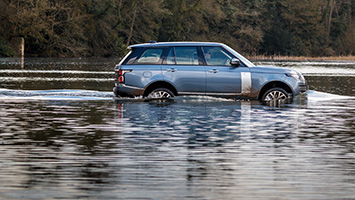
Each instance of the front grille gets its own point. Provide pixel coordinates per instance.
(303, 87)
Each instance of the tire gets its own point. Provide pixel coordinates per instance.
(160, 93)
(275, 94)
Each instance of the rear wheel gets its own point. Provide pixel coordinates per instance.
(275, 94)
(160, 93)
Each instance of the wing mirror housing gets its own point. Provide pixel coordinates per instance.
(235, 62)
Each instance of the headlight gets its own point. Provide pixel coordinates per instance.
(297, 76)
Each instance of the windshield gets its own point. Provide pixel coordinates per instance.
(240, 57)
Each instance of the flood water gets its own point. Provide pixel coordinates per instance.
(64, 136)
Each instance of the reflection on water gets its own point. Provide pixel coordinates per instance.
(83, 144)
(202, 148)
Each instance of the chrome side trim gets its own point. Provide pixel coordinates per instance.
(131, 87)
(191, 93)
(224, 94)
(212, 94)
(246, 82)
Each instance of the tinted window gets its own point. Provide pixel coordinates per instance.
(150, 56)
(186, 55)
(133, 56)
(216, 56)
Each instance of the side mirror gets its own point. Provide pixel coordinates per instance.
(235, 62)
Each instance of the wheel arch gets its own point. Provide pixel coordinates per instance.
(275, 84)
(159, 84)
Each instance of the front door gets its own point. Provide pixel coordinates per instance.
(221, 77)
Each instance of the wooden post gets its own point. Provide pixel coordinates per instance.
(22, 53)
(17, 43)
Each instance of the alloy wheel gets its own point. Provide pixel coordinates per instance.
(275, 95)
(160, 94)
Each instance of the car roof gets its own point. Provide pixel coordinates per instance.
(166, 44)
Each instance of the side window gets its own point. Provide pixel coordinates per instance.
(216, 56)
(186, 55)
(135, 52)
(150, 56)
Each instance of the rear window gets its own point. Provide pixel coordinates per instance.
(132, 56)
(150, 56)
(145, 56)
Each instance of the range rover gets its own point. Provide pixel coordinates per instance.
(168, 69)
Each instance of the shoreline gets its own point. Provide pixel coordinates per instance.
(258, 57)
(302, 58)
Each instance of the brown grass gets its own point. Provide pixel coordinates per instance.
(301, 58)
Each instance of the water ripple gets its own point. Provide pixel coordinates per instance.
(85, 144)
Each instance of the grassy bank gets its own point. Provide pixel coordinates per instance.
(301, 58)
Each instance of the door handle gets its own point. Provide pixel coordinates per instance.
(171, 70)
(213, 71)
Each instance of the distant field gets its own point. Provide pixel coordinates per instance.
(300, 58)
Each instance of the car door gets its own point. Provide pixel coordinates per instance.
(221, 77)
(184, 69)
(144, 67)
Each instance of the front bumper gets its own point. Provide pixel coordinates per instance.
(303, 87)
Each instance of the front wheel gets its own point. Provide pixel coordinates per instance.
(275, 94)
(160, 93)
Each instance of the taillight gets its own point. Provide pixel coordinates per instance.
(120, 79)
(121, 74)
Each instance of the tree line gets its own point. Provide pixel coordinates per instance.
(104, 28)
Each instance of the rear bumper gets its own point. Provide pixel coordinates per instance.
(127, 91)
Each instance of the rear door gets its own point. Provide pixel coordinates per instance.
(184, 69)
(144, 66)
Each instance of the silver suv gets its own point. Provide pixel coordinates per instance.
(164, 70)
